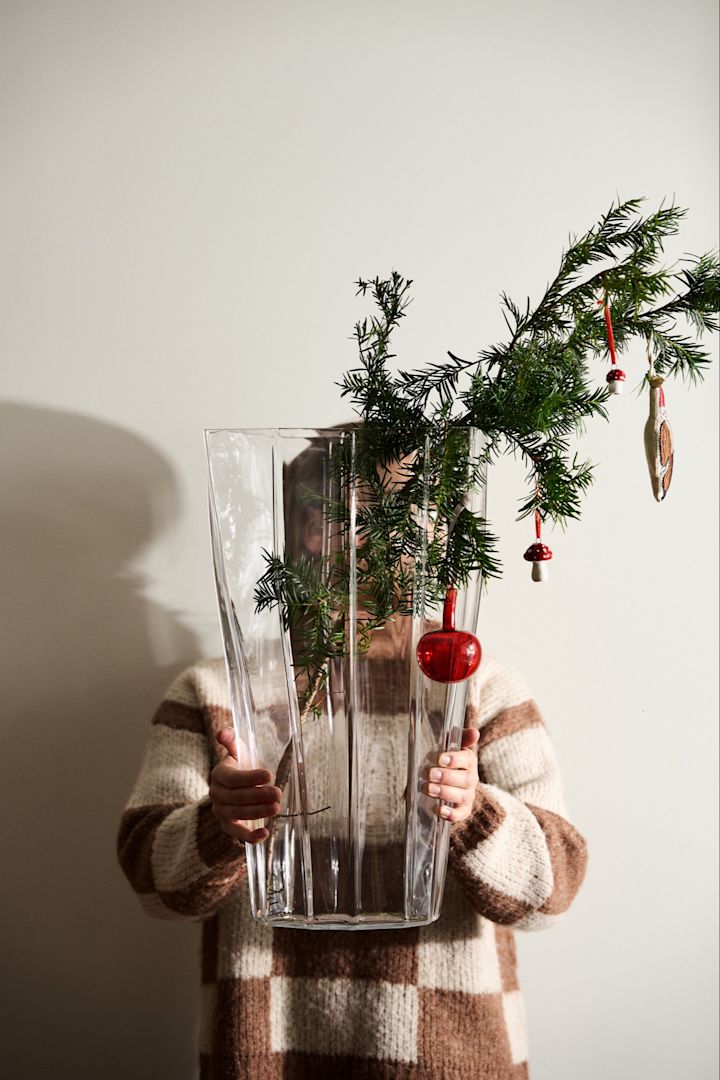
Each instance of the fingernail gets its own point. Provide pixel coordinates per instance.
(433, 789)
(444, 759)
(445, 811)
(436, 774)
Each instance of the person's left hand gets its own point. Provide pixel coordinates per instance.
(454, 778)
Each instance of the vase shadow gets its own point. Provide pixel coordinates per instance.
(93, 987)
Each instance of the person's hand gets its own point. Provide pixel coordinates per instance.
(454, 778)
(238, 795)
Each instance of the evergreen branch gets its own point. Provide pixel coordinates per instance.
(528, 395)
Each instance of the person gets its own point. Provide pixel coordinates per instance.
(439, 1001)
(428, 1002)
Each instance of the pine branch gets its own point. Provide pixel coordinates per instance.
(528, 395)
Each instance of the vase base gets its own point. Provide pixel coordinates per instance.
(382, 921)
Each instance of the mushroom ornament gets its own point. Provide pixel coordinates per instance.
(659, 447)
(539, 554)
(615, 379)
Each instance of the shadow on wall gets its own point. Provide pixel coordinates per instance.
(93, 987)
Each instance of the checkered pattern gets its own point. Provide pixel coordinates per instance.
(440, 1002)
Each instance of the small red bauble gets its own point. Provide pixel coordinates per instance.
(449, 655)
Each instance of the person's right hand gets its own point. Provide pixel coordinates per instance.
(238, 795)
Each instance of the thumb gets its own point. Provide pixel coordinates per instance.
(470, 737)
(226, 738)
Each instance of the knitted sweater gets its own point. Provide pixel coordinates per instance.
(437, 1002)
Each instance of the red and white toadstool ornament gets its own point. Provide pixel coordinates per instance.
(539, 555)
(615, 378)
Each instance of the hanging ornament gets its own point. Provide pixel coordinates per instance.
(538, 554)
(449, 655)
(659, 448)
(615, 377)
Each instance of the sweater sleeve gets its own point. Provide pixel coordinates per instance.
(170, 845)
(519, 859)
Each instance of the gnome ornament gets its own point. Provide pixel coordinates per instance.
(659, 448)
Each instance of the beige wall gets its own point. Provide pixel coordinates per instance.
(189, 191)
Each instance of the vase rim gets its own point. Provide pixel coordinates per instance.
(301, 432)
(287, 431)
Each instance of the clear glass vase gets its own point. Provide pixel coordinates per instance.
(357, 844)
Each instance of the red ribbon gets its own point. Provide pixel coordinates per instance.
(608, 323)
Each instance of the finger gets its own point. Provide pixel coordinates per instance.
(229, 775)
(457, 759)
(453, 814)
(251, 812)
(460, 778)
(244, 796)
(226, 738)
(243, 832)
(470, 736)
(454, 795)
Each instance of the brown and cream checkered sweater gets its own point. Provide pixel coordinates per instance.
(439, 1002)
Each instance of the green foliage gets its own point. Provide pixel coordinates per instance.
(528, 395)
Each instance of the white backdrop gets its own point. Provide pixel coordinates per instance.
(189, 191)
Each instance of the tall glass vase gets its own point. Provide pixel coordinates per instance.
(356, 844)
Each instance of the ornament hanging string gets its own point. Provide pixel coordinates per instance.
(538, 553)
(608, 323)
(615, 376)
(449, 655)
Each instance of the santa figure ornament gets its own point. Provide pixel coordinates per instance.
(659, 449)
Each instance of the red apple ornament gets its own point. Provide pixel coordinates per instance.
(448, 655)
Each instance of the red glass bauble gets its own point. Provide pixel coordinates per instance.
(449, 655)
